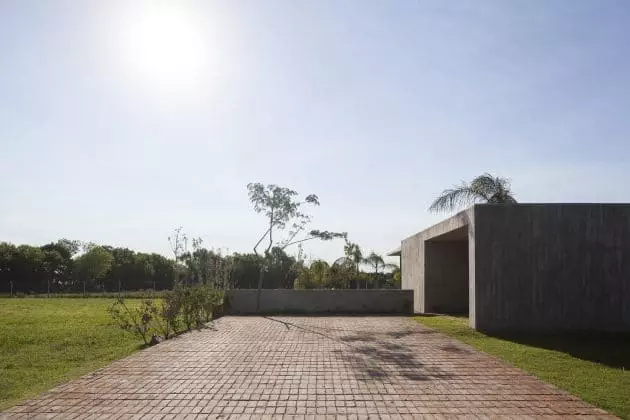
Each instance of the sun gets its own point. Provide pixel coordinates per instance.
(165, 49)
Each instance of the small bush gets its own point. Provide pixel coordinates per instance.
(218, 301)
(189, 307)
(136, 320)
(167, 323)
(207, 305)
(198, 304)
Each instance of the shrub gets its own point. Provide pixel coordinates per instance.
(136, 320)
(207, 304)
(190, 306)
(198, 304)
(167, 321)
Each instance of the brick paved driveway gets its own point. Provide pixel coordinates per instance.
(360, 367)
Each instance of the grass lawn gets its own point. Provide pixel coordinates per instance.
(594, 367)
(44, 342)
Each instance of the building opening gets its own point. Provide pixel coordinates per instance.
(447, 272)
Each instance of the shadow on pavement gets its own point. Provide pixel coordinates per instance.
(376, 356)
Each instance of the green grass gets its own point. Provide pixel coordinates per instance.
(44, 342)
(595, 367)
(132, 294)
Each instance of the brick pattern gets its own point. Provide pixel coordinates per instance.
(307, 367)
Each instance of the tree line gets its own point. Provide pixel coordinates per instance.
(67, 266)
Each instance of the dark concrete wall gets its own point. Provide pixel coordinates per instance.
(551, 266)
(243, 301)
(446, 276)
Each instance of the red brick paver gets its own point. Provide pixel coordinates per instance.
(307, 367)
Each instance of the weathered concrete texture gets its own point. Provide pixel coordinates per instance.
(306, 368)
(552, 266)
(530, 266)
(413, 262)
(287, 301)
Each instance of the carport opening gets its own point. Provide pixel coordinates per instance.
(447, 272)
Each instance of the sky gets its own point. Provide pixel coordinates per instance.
(120, 121)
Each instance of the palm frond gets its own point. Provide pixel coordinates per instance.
(485, 185)
(485, 188)
(456, 197)
(501, 193)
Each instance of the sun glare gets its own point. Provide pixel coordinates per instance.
(166, 51)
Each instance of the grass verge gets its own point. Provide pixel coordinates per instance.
(44, 342)
(594, 367)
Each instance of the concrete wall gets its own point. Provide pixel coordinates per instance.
(446, 276)
(413, 255)
(551, 266)
(412, 269)
(243, 301)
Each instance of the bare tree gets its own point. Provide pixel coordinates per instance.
(179, 246)
(283, 211)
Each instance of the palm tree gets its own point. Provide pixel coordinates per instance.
(485, 188)
(353, 252)
(375, 261)
(319, 269)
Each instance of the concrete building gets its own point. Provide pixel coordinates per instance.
(525, 267)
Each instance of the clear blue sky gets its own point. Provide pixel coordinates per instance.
(122, 120)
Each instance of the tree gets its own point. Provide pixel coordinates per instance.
(163, 272)
(281, 209)
(207, 266)
(279, 206)
(8, 255)
(58, 263)
(94, 263)
(320, 268)
(317, 276)
(28, 268)
(54, 266)
(340, 273)
(305, 279)
(376, 261)
(179, 246)
(51, 268)
(121, 272)
(31, 269)
(71, 247)
(396, 278)
(485, 188)
(282, 269)
(245, 270)
(354, 253)
(144, 270)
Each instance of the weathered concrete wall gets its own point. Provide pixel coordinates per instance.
(446, 276)
(412, 269)
(551, 266)
(243, 301)
(413, 255)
